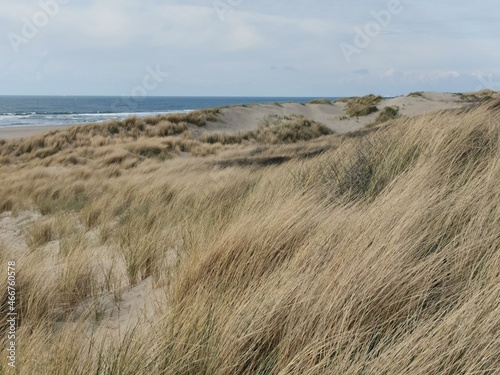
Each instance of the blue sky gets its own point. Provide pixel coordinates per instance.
(248, 48)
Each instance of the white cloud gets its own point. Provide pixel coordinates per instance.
(435, 46)
(316, 27)
(438, 75)
(242, 37)
(389, 73)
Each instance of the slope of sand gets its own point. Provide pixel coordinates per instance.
(25, 131)
(332, 115)
(136, 303)
(249, 117)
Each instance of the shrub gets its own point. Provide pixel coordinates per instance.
(275, 129)
(166, 128)
(198, 118)
(416, 94)
(388, 113)
(363, 106)
(320, 101)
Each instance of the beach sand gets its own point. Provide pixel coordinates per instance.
(249, 117)
(332, 115)
(7, 132)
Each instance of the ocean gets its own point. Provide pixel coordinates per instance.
(61, 110)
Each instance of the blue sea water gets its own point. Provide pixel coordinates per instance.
(61, 110)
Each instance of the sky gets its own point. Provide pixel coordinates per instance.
(323, 48)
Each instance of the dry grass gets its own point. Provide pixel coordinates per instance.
(40, 233)
(416, 94)
(363, 106)
(321, 101)
(388, 113)
(477, 97)
(109, 133)
(369, 254)
(274, 130)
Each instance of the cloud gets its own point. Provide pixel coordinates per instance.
(108, 44)
(389, 73)
(242, 36)
(438, 75)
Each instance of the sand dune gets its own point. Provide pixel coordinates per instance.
(332, 115)
(237, 118)
(142, 250)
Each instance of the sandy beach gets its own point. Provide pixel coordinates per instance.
(14, 132)
(248, 117)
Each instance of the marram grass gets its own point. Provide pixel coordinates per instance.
(370, 254)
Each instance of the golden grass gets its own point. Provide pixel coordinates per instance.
(388, 113)
(478, 96)
(274, 130)
(362, 106)
(416, 94)
(40, 233)
(108, 133)
(374, 253)
(321, 101)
